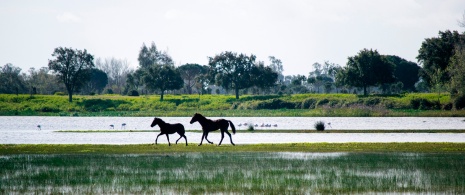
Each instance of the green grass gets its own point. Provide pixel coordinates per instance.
(8, 149)
(233, 173)
(226, 105)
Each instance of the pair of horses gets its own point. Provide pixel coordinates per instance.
(207, 126)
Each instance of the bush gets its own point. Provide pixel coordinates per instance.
(424, 104)
(59, 93)
(320, 126)
(133, 93)
(250, 127)
(308, 103)
(459, 102)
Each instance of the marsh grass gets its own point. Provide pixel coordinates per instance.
(226, 105)
(233, 172)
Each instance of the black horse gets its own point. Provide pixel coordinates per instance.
(213, 125)
(167, 128)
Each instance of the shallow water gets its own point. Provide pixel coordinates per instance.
(143, 123)
(23, 130)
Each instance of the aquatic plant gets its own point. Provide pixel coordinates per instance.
(320, 126)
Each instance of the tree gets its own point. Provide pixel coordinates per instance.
(72, 67)
(323, 75)
(263, 76)
(43, 82)
(277, 66)
(232, 70)
(116, 70)
(435, 54)
(149, 56)
(189, 72)
(163, 78)
(367, 68)
(405, 72)
(11, 79)
(98, 81)
(456, 71)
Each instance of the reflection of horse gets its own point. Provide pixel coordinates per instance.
(213, 125)
(167, 128)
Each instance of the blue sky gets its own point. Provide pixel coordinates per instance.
(299, 32)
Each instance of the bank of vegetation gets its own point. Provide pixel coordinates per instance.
(414, 104)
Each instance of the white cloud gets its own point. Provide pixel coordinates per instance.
(68, 17)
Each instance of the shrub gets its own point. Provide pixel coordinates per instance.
(133, 93)
(308, 103)
(459, 102)
(424, 104)
(59, 93)
(250, 127)
(320, 126)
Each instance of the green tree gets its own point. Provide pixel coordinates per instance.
(456, 71)
(163, 78)
(72, 67)
(232, 70)
(190, 72)
(98, 81)
(150, 56)
(263, 76)
(405, 71)
(435, 54)
(367, 68)
(11, 79)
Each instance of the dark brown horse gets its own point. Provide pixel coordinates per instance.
(213, 125)
(167, 128)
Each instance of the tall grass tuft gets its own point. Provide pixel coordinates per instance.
(320, 126)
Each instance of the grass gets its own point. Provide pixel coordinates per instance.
(233, 173)
(226, 105)
(9, 149)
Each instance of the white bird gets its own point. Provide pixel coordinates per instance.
(123, 126)
(239, 124)
(112, 126)
(39, 127)
(329, 124)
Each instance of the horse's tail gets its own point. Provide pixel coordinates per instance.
(182, 131)
(232, 127)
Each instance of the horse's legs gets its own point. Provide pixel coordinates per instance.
(203, 135)
(157, 137)
(222, 136)
(167, 137)
(207, 139)
(182, 137)
(229, 137)
(185, 138)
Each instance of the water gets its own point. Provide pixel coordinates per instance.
(24, 130)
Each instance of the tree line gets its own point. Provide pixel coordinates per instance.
(441, 68)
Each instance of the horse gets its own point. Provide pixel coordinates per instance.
(213, 125)
(167, 128)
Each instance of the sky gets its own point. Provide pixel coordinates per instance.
(298, 32)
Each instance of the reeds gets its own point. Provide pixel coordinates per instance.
(206, 173)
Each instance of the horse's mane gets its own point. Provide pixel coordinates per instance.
(201, 116)
(159, 119)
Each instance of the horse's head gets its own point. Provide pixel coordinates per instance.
(195, 118)
(155, 122)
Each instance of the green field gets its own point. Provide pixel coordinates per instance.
(226, 105)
